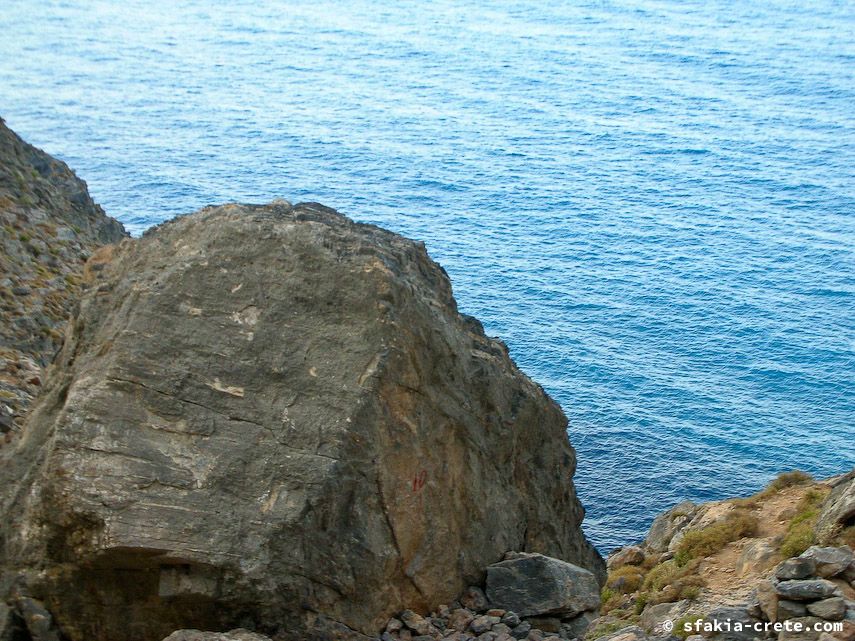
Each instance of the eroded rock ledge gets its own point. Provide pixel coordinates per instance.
(275, 418)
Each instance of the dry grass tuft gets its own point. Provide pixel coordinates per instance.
(800, 532)
(704, 542)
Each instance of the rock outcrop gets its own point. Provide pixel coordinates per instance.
(753, 560)
(838, 513)
(274, 418)
(49, 226)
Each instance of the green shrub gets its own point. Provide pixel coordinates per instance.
(641, 602)
(707, 541)
(800, 531)
(626, 579)
(604, 629)
(661, 575)
(606, 593)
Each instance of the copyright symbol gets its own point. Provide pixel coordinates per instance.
(668, 626)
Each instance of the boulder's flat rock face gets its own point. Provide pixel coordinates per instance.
(273, 417)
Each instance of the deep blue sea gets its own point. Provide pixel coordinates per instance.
(651, 202)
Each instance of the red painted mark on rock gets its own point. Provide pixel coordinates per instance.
(419, 481)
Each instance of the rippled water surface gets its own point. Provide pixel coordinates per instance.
(652, 202)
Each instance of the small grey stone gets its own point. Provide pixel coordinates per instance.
(833, 609)
(460, 618)
(790, 609)
(474, 599)
(511, 618)
(481, 624)
(438, 622)
(417, 623)
(521, 631)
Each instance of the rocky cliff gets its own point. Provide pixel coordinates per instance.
(49, 226)
(273, 417)
(783, 555)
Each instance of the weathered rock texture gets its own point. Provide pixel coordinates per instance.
(533, 584)
(49, 226)
(275, 418)
(838, 513)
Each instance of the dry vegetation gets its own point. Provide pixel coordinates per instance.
(670, 578)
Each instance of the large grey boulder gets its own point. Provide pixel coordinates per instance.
(273, 417)
(534, 584)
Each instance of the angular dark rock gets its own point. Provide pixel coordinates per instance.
(534, 584)
(521, 630)
(797, 568)
(273, 414)
(808, 590)
(511, 618)
(790, 609)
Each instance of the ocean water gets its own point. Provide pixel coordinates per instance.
(651, 202)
